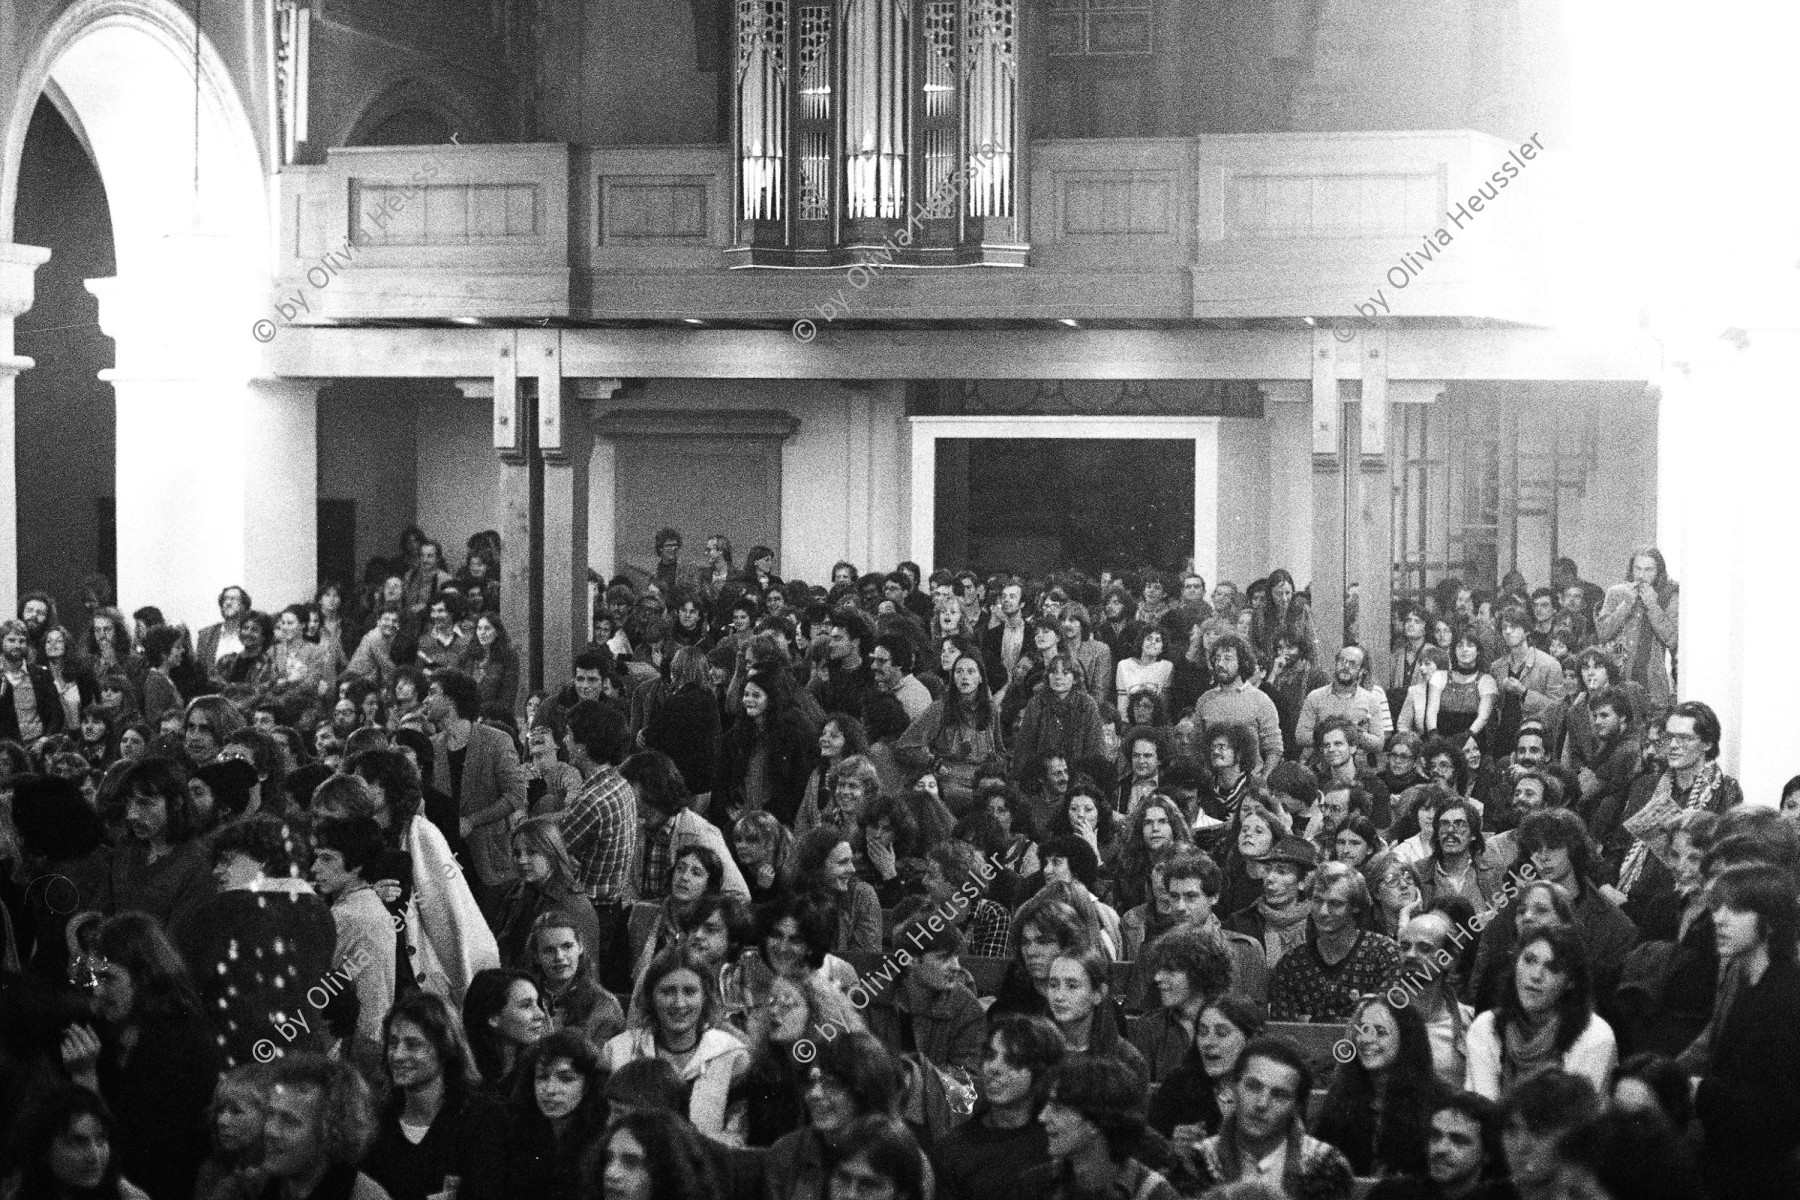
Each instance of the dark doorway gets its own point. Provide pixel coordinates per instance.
(1030, 504)
(64, 414)
(337, 542)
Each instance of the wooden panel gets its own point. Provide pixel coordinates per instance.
(1133, 204)
(448, 214)
(1331, 205)
(650, 209)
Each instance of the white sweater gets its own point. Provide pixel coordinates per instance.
(1594, 1055)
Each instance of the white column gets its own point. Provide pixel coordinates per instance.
(18, 270)
(217, 470)
(1730, 426)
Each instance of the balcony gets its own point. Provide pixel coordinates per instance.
(1229, 228)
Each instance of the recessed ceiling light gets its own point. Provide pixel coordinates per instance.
(692, 321)
(1071, 322)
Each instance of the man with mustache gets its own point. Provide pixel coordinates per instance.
(29, 706)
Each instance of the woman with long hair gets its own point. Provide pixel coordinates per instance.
(841, 738)
(956, 734)
(64, 1150)
(825, 865)
(491, 660)
(164, 869)
(768, 752)
(762, 846)
(684, 723)
(675, 1017)
(551, 1118)
(1641, 618)
(648, 1154)
(502, 1016)
(427, 1118)
(1378, 1108)
(653, 927)
(209, 721)
(1251, 836)
(1078, 989)
(154, 1060)
(546, 882)
(164, 651)
(1154, 829)
(1469, 694)
(1043, 929)
(1545, 1019)
(1282, 610)
(75, 681)
(853, 1076)
(1187, 1105)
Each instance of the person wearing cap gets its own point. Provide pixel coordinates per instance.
(1321, 979)
(1278, 917)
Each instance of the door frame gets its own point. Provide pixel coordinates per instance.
(1203, 432)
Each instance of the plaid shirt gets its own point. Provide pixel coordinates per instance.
(600, 826)
(985, 934)
(659, 858)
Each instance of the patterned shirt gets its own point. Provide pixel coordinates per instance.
(600, 826)
(659, 859)
(985, 934)
(1307, 988)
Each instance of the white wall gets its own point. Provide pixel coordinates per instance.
(458, 472)
(844, 486)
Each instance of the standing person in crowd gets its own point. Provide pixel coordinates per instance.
(768, 752)
(30, 707)
(1470, 696)
(892, 661)
(1007, 637)
(1339, 960)
(154, 1060)
(374, 658)
(1531, 682)
(1005, 1138)
(1545, 1020)
(1264, 1135)
(1091, 655)
(429, 1115)
(1642, 617)
(164, 869)
(1233, 700)
(844, 682)
(685, 724)
(220, 640)
(477, 767)
(600, 827)
(1280, 611)
(549, 780)
(1749, 1099)
(1347, 696)
(1292, 677)
(1097, 1136)
(956, 735)
(346, 853)
(492, 661)
(163, 653)
(1656, 803)
(1378, 1109)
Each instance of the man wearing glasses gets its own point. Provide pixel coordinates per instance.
(1640, 838)
(892, 662)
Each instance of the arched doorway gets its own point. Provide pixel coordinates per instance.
(208, 459)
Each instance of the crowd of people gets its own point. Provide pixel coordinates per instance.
(886, 887)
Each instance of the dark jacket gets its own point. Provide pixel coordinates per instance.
(685, 726)
(1749, 1101)
(159, 1094)
(946, 1027)
(493, 788)
(413, 1172)
(49, 705)
(514, 1153)
(793, 752)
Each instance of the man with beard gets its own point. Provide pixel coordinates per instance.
(217, 641)
(1264, 1137)
(29, 706)
(1463, 1155)
(38, 611)
(1428, 966)
(1364, 708)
